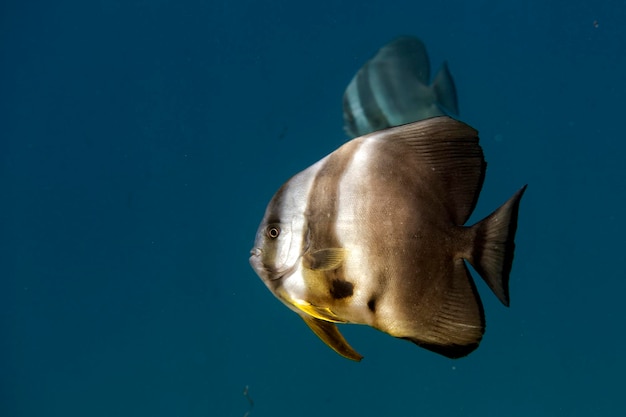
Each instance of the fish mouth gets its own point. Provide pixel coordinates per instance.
(255, 259)
(267, 273)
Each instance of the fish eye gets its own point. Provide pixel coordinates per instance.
(272, 231)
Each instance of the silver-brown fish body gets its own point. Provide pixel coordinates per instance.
(393, 88)
(373, 234)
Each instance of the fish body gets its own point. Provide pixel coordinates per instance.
(374, 234)
(394, 88)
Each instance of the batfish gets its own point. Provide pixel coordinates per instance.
(393, 88)
(375, 234)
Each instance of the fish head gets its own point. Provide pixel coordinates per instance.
(275, 253)
(281, 238)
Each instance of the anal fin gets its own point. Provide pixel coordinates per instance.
(456, 323)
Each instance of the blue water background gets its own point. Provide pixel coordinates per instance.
(140, 142)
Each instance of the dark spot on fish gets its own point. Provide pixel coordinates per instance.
(341, 289)
(371, 304)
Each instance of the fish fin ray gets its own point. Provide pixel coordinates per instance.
(447, 151)
(492, 256)
(456, 327)
(329, 333)
(325, 259)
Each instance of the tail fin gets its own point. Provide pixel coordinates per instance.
(492, 255)
(445, 90)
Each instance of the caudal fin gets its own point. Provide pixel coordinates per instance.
(445, 90)
(492, 255)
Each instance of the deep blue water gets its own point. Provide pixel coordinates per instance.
(140, 142)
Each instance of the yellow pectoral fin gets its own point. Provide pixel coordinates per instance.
(329, 333)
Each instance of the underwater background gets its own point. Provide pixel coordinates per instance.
(140, 142)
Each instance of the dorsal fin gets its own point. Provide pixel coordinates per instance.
(402, 56)
(448, 152)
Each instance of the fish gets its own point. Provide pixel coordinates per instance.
(374, 234)
(393, 88)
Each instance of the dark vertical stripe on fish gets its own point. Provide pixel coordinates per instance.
(372, 112)
(322, 210)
